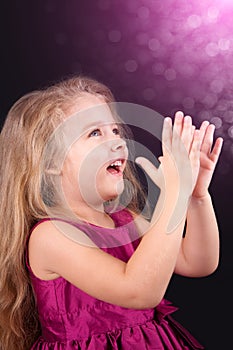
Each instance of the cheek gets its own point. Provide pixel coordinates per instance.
(86, 164)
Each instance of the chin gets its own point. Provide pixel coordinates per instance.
(111, 196)
(110, 190)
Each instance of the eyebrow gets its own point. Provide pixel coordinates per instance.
(97, 124)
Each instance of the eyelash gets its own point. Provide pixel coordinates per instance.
(115, 131)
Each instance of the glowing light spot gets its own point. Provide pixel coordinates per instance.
(217, 86)
(212, 13)
(131, 66)
(114, 36)
(212, 49)
(222, 105)
(228, 117)
(224, 44)
(210, 100)
(158, 68)
(167, 37)
(188, 102)
(230, 131)
(148, 94)
(217, 122)
(204, 115)
(194, 21)
(143, 12)
(170, 74)
(154, 44)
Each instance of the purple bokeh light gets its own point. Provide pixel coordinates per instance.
(178, 45)
(168, 55)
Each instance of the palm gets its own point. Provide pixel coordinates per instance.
(208, 159)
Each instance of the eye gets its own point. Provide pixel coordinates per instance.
(95, 133)
(116, 131)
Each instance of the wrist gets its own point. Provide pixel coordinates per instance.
(200, 199)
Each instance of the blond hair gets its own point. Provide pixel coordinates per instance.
(27, 129)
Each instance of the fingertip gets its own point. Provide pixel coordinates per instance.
(139, 160)
(179, 114)
(220, 140)
(160, 158)
(205, 123)
(167, 120)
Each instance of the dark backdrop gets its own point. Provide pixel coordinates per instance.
(166, 55)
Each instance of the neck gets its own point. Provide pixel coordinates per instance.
(93, 215)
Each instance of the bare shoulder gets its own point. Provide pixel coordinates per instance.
(40, 242)
(55, 251)
(47, 240)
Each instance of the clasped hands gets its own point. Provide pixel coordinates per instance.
(189, 157)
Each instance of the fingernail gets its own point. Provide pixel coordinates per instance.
(187, 118)
(179, 114)
(137, 160)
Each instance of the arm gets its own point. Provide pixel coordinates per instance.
(142, 281)
(199, 254)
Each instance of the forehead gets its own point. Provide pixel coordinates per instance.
(90, 110)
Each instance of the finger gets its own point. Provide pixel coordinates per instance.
(178, 122)
(150, 169)
(195, 147)
(177, 129)
(167, 135)
(208, 139)
(192, 135)
(187, 132)
(216, 150)
(195, 156)
(203, 129)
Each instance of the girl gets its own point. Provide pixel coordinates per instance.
(76, 273)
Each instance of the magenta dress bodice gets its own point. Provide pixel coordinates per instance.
(71, 319)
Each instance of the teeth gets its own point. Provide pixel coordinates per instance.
(117, 163)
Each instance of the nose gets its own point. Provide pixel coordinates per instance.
(118, 144)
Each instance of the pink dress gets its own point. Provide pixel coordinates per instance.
(71, 319)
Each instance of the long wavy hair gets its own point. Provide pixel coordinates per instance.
(26, 192)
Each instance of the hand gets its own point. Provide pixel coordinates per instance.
(181, 153)
(179, 167)
(208, 159)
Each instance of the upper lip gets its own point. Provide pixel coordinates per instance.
(120, 162)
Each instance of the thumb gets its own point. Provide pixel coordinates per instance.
(150, 169)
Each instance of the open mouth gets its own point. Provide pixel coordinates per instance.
(116, 167)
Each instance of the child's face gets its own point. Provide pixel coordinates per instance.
(93, 168)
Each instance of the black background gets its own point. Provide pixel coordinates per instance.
(44, 41)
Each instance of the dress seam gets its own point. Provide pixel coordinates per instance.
(58, 309)
(110, 331)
